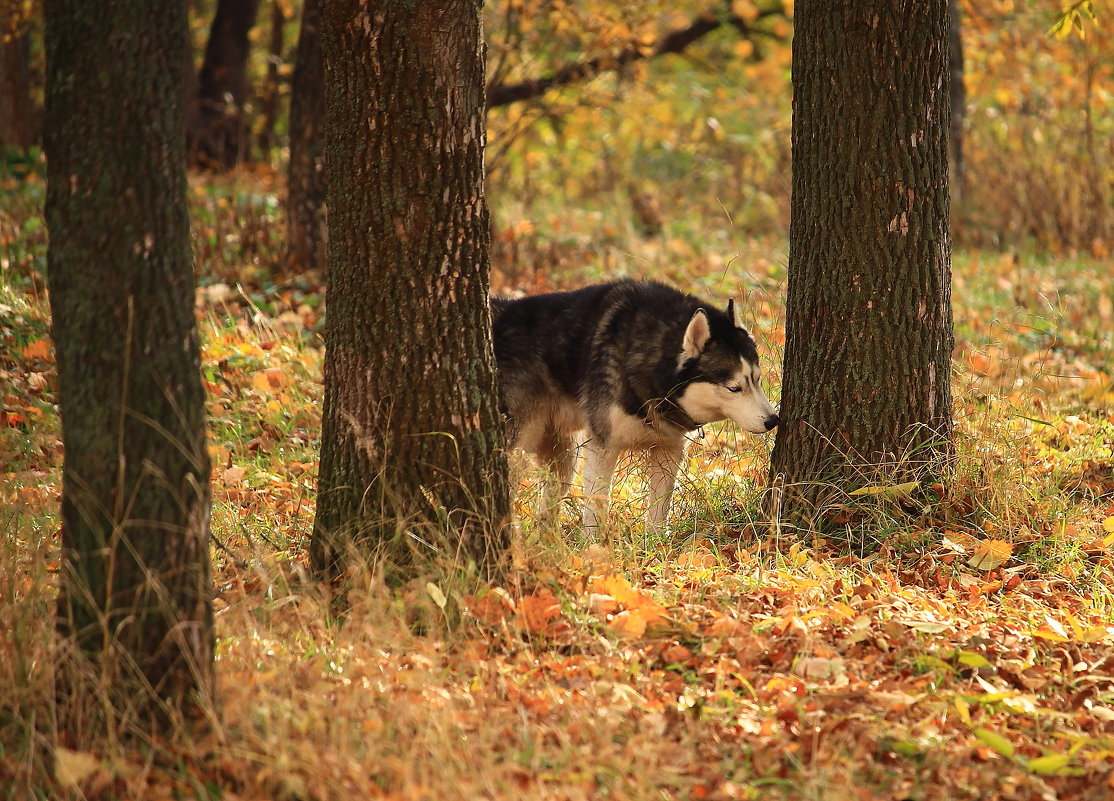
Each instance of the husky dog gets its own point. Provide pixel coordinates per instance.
(636, 365)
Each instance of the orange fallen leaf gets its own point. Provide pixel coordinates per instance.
(490, 608)
(629, 624)
(991, 554)
(538, 610)
(40, 350)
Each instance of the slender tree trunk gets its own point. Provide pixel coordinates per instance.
(218, 136)
(958, 91)
(16, 123)
(306, 230)
(866, 387)
(411, 438)
(269, 99)
(134, 614)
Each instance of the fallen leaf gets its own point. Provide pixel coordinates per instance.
(995, 742)
(435, 593)
(991, 554)
(233, 475)
(39, 350)
(819, 668)
(1051, 765)
(892, 492)
(539, 609)
(628, 624)
(71, 768)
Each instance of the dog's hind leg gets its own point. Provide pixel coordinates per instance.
(557, 451)
(599, 467)
(665, 461)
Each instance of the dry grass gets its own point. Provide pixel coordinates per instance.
(885, 656)
(957, 648)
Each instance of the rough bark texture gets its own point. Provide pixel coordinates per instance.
(868, 319)
(16, 123)
(411, 430)
(134, 613)
(218, 136)
(306, 232)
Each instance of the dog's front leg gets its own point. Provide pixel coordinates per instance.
(665, 461)
(599, 467)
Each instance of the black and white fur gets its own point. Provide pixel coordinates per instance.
(636, 365)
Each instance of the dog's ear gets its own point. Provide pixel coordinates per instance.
(696, 335)
(731, 313)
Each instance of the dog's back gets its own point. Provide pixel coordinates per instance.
(637, 364)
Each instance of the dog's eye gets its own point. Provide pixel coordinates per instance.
(734, 389)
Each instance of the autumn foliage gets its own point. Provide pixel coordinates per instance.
(949, 643)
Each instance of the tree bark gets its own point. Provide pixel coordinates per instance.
(412, 440)
(958, 92)
(134, 614)
(218, 136)
(306, 231)
(269, 99)
(17, 129)
(867, 377)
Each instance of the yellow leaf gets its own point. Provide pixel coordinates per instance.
(1051, 630)
(893, 492)
(435, 593)
(995, 742)
(1049, 765)
(973, 660)
(991, 554)
(1108, 525)
(963, 710)
(260, 384)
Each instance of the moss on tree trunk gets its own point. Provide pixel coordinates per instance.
(134, 609)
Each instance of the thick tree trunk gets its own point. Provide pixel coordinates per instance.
(17, 130)
(134, 613)
(218, 136)
(868, 321)
(411, 432)
(306, 231)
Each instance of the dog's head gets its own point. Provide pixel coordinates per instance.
(718, 370)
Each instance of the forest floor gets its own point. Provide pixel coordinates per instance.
(958, 649)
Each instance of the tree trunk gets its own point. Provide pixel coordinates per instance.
(269, 100)
(134, 613)
(218, 136)
(412, 440)
(306, 231)
(867, 379)
(958, 92)
(16, 123)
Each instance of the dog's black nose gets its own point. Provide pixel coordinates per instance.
(771, 421)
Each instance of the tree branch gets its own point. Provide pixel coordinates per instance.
(673, 42)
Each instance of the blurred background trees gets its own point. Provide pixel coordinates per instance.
(634, 117)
